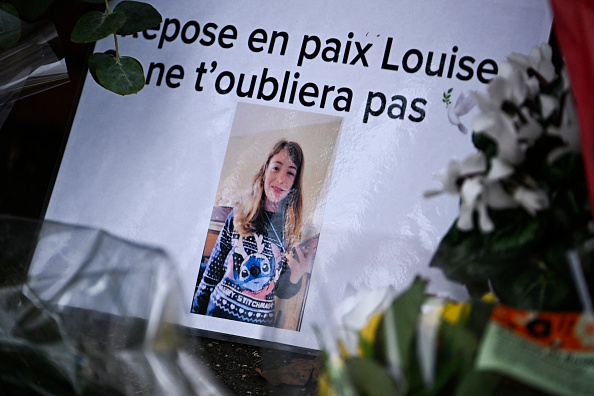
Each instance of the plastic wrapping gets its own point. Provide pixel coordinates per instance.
(28, 65)
(95, 315)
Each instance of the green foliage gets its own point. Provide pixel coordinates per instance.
(400, 319)
(96, 25)
(139, 16)
(456, 351)
(122, 75)
(447, 96)
(371, 378)
(530, 250)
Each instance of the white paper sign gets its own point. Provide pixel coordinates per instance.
(358, 84)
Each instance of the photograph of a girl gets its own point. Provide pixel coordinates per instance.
(257, 255)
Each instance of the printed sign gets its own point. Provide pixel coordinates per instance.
(363, 87)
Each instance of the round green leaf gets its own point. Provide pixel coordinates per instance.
(96, 25)
(139, 16)
(94, 61)
(10, 25)
(123, 76)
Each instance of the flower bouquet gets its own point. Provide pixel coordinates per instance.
(522, 245)
(524, 204)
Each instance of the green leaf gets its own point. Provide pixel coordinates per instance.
(474, 257)
(139, 16)
(94, 61)
(450, 90)
(96, 25)
(10, 25)
(371, 378)
(397, 327)
(479, 383)
(123, 76)
(485, 144)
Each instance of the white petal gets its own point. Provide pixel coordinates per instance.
(484, 102)
(548, 105)
(464, 222)
(475, 163)
(531, 130)
(531, 200)
(484, 121)
(547, 70)
(546, 51)
(471, 190)
(485, 223)
(498, 89)
(498, 198)
(500, 169)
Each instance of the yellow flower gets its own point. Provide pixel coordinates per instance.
(455, 312)
(324, 386)
(368, 332)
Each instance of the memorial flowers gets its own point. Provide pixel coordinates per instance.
(523, 195)
(522, 245)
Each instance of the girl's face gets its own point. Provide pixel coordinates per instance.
(278, 179)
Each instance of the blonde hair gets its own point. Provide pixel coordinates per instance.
(248, 214)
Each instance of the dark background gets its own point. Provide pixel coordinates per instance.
(32, 140)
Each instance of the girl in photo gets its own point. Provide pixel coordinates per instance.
(256, 256)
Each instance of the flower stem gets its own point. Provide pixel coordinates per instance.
(115, 36)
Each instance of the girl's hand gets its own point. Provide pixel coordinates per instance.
(300, 258)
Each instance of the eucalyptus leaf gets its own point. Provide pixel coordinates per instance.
(371, 378)
(123, 76)
(139, 16)
(94, 61)
(10, 25)
(96, 25)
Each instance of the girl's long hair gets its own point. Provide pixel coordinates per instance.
(249, 214)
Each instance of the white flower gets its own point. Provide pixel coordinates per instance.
(509, 88)
(501, 129)
(537, 64)
(531, 200)
(529, 129)
(568, 130)
(480, 192)
(463, 105)
(471, 200)
(548, 105)
(497, 197)
(456, 172)
(356, 311)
